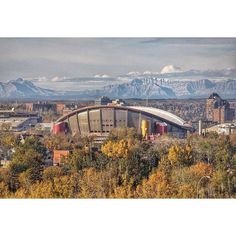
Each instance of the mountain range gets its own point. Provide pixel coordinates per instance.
(171, 82)
(165, 88)
(21, 88)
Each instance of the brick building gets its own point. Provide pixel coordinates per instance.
(218, 110)
(58, 155)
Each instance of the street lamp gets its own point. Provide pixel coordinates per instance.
(205, 176)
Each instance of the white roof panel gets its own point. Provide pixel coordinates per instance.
(162, 114)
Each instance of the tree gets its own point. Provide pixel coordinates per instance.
(7, 143)
(29, 158)
(4, 191)
(52, 172)
(126, 168)
(180, 155)
(118, 149)
(156, 186)
(97, 184)
(60, 187)
(43, 189)
(58, 142)
(186, 190)
(5, 126)
(201, 169)
(124, 191)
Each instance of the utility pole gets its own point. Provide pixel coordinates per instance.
(200, 127)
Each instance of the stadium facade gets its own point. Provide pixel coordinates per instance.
(101, 119)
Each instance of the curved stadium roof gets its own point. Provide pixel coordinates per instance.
(164, 115)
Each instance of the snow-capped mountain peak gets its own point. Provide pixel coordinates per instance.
(21, 88)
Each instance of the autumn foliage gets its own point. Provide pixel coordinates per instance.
(118, 149)
(124, 167)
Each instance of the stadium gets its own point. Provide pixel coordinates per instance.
(101, 119)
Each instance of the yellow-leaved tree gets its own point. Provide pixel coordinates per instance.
(157, 186)
(118, 149)
(202, 169)
(180, 155)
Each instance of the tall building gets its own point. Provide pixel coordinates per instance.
(218, 110)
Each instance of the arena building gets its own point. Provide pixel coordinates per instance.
(100, 120)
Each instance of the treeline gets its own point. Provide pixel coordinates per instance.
(124, 167)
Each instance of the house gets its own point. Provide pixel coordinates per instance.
(59, 155)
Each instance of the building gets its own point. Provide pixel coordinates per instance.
(60, 107)
(60, 127)
(18, 124)
(41, 107)
(100, 120)
(226, 129)
(13, 113)
(6, 113)
(59, 155)
(102, 101)
(218, 110)
(17, 121)
(45, 127)
(117, 102)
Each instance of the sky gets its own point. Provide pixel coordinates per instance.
(99, 61)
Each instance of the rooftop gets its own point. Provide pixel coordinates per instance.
(163, 114)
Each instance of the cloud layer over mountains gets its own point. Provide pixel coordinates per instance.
(99, 81)
(171, 82)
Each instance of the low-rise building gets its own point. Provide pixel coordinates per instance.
(60, 107)
(102, 101)
(47, 127)
(226, 128)
(117, 102)
(17, 124)
(59, 155)
(41, 107)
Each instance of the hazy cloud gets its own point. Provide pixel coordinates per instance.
(92, 62)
